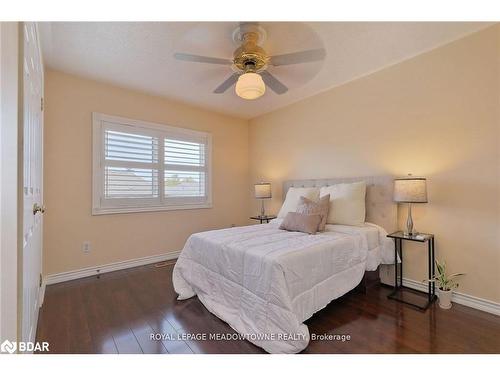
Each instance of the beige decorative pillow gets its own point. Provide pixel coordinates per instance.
(347, 203)
(320, 207)
(296, 222)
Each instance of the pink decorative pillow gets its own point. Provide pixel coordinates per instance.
(296, 222)
(320, 207)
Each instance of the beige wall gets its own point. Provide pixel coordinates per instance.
(69, 103)
(436, 115)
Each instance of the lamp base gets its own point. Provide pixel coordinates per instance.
(409, 223)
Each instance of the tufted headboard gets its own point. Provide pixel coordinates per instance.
(380, 208)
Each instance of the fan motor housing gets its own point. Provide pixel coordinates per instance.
(250, 56)
(250, 61)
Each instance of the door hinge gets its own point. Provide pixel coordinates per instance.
(41, 104)
(40, 282)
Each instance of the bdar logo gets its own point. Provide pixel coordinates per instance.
(8, 347)
(24, 346)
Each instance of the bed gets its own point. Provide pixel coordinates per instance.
(265, 282)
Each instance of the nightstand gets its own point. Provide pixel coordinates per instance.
(263, 219)
(405, 294)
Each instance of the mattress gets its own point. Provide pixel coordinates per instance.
(265, 282)
(380, 248)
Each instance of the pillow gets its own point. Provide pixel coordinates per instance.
(320, 207)
(296, 222)
(292, 199)
(347, 203)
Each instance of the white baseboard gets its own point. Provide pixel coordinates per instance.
(110, 267)
(460, 298)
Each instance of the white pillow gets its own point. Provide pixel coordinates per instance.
(292, 199)
(347, 203)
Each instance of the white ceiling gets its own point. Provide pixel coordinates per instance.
(140, 55)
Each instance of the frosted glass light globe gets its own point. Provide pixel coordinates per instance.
(250, 86)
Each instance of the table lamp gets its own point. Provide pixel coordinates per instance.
(410, 190)
(263, 191)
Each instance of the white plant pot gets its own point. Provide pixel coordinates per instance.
(445, 298)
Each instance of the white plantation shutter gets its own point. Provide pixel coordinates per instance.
(185, 168)
(142, 166)
(130, 165)
(130, 182)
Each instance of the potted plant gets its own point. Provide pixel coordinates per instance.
(445, 283)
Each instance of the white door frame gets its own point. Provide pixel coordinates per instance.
(9, 180)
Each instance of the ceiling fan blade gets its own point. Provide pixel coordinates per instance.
(298, 57)
(226, 84)
(202, 59)
(273, 83)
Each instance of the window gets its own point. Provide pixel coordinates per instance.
(140, 166)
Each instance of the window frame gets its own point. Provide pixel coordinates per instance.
(100, 206)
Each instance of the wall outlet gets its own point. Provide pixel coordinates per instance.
(86, 247)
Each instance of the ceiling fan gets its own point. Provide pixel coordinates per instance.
(250, 62)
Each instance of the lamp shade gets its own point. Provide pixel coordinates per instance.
(250, 86)
(410, 190)
(263, 190)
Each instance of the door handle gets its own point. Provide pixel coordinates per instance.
(37, 208)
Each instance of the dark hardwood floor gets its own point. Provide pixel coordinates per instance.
(117, 312)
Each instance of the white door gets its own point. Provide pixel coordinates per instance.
(32, 104)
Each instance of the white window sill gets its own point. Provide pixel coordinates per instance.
(128, 210)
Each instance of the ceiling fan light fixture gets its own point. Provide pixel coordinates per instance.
(250, 86)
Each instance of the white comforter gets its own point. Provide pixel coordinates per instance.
(265, 282)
